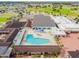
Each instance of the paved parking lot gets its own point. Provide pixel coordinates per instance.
(71, 42)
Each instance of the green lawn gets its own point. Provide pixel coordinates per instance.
(8, 15)
(64, 11)
(4, 17)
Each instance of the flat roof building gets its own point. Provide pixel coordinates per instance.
(74, 54)
(8, 34)
(15, 24)
(66, 24)
(58, 32)
(43, 21)
(48, 46)
(5, 49)
(6, 39)
(22, 45)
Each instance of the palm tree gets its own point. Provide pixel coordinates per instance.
(61, 45)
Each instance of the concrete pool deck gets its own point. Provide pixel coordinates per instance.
(41, 35)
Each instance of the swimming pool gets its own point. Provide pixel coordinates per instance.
(35, 40)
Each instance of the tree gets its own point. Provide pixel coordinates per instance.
(30, 6)
(44, 6)
(61, 6)
(61, 45)
(13, 45)
(38, 6)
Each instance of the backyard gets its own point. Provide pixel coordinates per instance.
(5, 16)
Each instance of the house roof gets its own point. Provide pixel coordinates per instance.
(5, 43)
(44, 21)
(7, 34)
(16, 25)
(74, 54)
(4, 47)
(37, 48)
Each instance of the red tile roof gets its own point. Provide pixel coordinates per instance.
(37, 48)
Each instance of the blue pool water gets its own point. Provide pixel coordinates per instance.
(31, 39)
